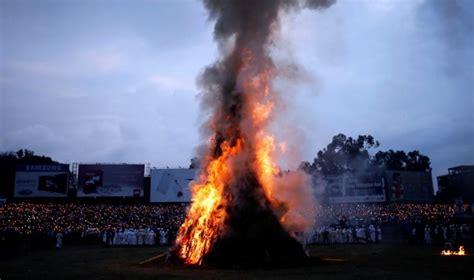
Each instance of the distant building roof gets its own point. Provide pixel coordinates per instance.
(461, 168)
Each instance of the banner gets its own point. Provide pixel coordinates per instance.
(110, 180)
(171, 185)
(348, 188)
(41, 180)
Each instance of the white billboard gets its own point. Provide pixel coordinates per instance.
(409, 186)
(110, 180)
(171, 185)
(50, 180)
(348, 188)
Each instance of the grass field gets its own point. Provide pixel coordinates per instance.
(381, 261)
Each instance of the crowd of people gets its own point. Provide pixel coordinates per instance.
(345, 235)
(438, 234)
(361, 223)
(356, 214)
(124, 225)
(113, 224)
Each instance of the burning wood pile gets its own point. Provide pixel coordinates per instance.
(245, 209)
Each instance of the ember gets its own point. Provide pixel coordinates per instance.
(238, 213)
(460, 252)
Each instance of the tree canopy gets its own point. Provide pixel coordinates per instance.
(348, 154)
(399, 160)
(195, 163)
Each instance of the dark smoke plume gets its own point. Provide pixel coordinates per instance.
(241, 26)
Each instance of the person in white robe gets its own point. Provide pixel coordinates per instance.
(114, 241)
(350, 238)
(379, 233)
(332, 236)
(445, 233)
(163, 237)
(133, 237)
(140, 236)
(339, 236)
(152, 237)
(121, 237)
(148, 237)
(59, 240)
(129, 236)
(427, 235)
(360, 233)
(145, 236)
(372, 233)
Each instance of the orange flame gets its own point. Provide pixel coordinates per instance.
(460, 252)
(206, 215)
(205, 219)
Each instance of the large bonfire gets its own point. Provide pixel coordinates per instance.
(240, 209)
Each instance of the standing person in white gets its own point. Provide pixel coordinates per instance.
(140, 236)
(151, 237)
(427, 235)
(121, 237)
(372, 233)
(133, 237)
(163, 237)
(59, 240)
(379, 232)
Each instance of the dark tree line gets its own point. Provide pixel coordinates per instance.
(195, 164)
(8, 163)
(399, 160)
(347, 154)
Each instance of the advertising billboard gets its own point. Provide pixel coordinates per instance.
(409, 186)
(110, 180)
(41, 180)
(171, 185)
(349, 188)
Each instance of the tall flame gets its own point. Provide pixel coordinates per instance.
(239, 169)
(206, 216)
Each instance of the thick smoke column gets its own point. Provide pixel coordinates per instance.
(238, 201)
(243, 28)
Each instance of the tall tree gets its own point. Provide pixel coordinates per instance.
(399, 160)
(345, 154)
(195, 163)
